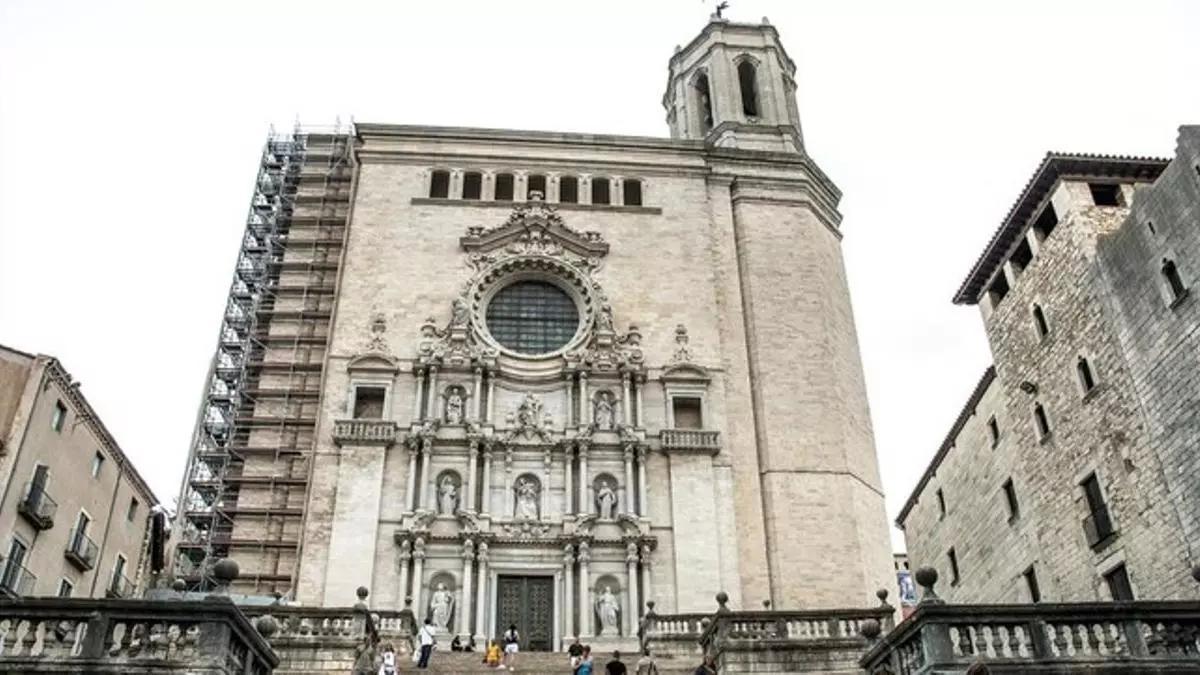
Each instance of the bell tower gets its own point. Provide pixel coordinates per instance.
(733, 86)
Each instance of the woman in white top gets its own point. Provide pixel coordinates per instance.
(426, 637)
(512, 645)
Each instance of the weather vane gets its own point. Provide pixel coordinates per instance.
(721, 7)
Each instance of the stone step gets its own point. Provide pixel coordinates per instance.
(528, 663)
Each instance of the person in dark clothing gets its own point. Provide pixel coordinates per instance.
(615, 667)
(575, 653)
(709, 667)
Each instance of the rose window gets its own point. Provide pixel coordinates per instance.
(532, 317)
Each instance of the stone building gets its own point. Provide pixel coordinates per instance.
(1071, 472)
(74, 512)
(543, 378)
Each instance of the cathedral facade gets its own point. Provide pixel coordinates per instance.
(569, 375)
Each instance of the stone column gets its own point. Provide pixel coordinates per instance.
(486, 494)
(464, 612)
(585, 482)
(631, 567)
(585, 416)
(472, 451)
(647, 573)
(491, 403)
(481, 596)
(431, 410)
(585, 188)
(417, 416)
(643, 498)
(418, 577)
(568, 589)
(404, 558)
(585, 584)
(626, 401)
(426, 456)
(412, 478)
(637, 391)
(477, 394)
(629, 505)
(546, 459)
(569, 487)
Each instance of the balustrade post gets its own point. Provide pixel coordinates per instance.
(1038, 641)
(1132, 628)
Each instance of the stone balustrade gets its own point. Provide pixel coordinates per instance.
(674, 635)
(691, 440)
(364, 432)
(74, 635)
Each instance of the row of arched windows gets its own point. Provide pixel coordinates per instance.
(747, 74)
(599, 190)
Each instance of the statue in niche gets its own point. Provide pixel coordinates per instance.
(447, 495)
(606, 500)
(603, 412)
(460, 314)
(527, 499)
(441, 605)
(604, 319)
(529, 414)
(608, 608)
(454, 406)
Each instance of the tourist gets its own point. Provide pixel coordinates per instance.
(470, 646)
(492, 656)
(388, 666)
(585, 662)
(709, 667)
(616, 666)
(427, 639)
(512, 642)
(456, 644)
(575, 652)
(646, 664)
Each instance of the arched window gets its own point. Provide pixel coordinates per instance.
(600, 193)
(632, 191)
(439, 184)
(1039, 322)
(1174, 282)
(504, 187)
(472, 185)
(1041, 422)
(568, 190)
(749, 86)
(535, 183)
(704, 99)
(1086, 379)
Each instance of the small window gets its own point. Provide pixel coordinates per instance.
(749, 88)
(1022, 255)
(1010, 497)
(1097, 525)
(1031, 583)
(1039, 322)
(132, 512)
(1174, 282)
(632, 191)
(368, 403)
(1118, 584)
(1040, 421)
(954, 575)
(600, 193)
(97, 464)
(686, 411)
(472, 185)
(1086, 379)
(941, 499)
(1106, 194)
(1046, 221)
(439, 184)
(65, 588)
(535, 183)
(504, 187)
(568, 190)
(994, 430)
(704, 99)
(59, 417)
(999, 288)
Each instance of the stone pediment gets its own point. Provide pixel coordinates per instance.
(379, 363)
(534, 228)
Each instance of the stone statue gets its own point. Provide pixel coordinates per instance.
(460, 314)
(608, 608)
(441, 605)
(447, 495)
(603, 413)
(527, 499)
(454, 407)
(606, 499)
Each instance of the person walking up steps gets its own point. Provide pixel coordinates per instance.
(512, 645)
(585, 662)
(427, 641)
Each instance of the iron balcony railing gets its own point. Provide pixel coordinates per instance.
(38, 507)
(15, 579)
(81, 550)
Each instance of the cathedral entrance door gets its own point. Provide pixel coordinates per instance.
(527, 602)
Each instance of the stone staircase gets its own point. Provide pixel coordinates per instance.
(535, 663)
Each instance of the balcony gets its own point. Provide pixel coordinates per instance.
(364, 432)
(1098, 528)
(119, 587)
(81, 551)
(16, 580)
(37, 507)
(691, 440)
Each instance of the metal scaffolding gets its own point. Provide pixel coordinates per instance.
(245, 486)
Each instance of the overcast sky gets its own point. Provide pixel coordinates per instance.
(130, 136)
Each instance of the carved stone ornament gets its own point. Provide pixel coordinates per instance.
(683, 351)
(526, 529)
(375, 341)
(528, 421)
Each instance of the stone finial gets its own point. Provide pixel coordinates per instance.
(766, 605)
(870, 629)
(362, 594)
(266, 625)
(225, 571)
(882, 594)
(927, 577)
(650, 608)
(536, 196)
(722, 599)
(179, 586)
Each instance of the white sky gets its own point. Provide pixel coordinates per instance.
(130, 136)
